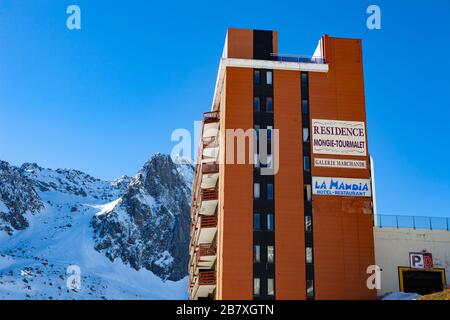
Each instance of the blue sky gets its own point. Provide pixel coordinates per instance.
(105, 98)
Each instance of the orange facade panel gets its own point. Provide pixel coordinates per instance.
(289, 206)
(237, 207)
(343, 232)
(239, 43)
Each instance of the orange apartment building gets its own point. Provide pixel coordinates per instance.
(306, 231)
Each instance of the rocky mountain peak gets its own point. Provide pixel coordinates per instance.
(149, 227)
(18, 199)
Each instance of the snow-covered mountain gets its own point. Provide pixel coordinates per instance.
(129, 237)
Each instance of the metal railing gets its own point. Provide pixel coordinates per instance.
(297, 58)
(212, 116)
(412, 222)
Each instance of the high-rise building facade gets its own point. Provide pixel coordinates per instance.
(294, 221)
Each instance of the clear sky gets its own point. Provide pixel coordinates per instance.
(105, 98)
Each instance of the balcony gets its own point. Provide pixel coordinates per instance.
(210, 199)
(206, 256)
(203, 257)
(204, 284)
(210, 124)
(210, 150)
(210, 137)
(207, 229)
(211, 117)
(210, 175)
(297, 58)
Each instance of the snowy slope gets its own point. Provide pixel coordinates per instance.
(34, 260)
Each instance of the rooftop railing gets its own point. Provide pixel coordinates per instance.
(297, 58)
(413, 222)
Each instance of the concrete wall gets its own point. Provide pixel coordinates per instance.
(392, 248)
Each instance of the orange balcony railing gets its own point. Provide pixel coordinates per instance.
(206, 277)
(208, 168)
(209, 194)
(208, 221)
(205, 250)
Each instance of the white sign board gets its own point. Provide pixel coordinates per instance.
(340, 163)
(339, 137)
(345, 187)
(416, 260)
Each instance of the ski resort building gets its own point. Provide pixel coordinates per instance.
(291, 216)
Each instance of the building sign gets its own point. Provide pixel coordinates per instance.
(340, 163)
(339, 137)
(421, 260)
(326, 186)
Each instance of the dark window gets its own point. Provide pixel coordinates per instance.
(308, 224)
(310, 289)
(270, 287)
(270, 254)
(306, 163)
(304, 81)
(270, 222)
(270, 191)
(256, 190)
(257, 76)
(257, 133)
(256, 253)
(305, 106)
(307, 192)
(269, 77)
(256, 286)
(256, 104)
(269, 104)
(305, 135)
(269, 133)
(256, 221)
(309, 255)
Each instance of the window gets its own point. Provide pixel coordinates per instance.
(269, 104)
(256, 190)
(310, 289)
(270, 222)
(256, 253)
(256, 104)
(270, 191)
(256, 160)
(270, 254)
(256, 221)
(257, 76)
(308, 224)
(305, 106)
(269, 161)
(256, 135)
(307, 196)
(269, 77)
(270, 287)
(304, 81)
(269, 133)
(256, 286)
(309, 255)
(306, 163)
(305, 135)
